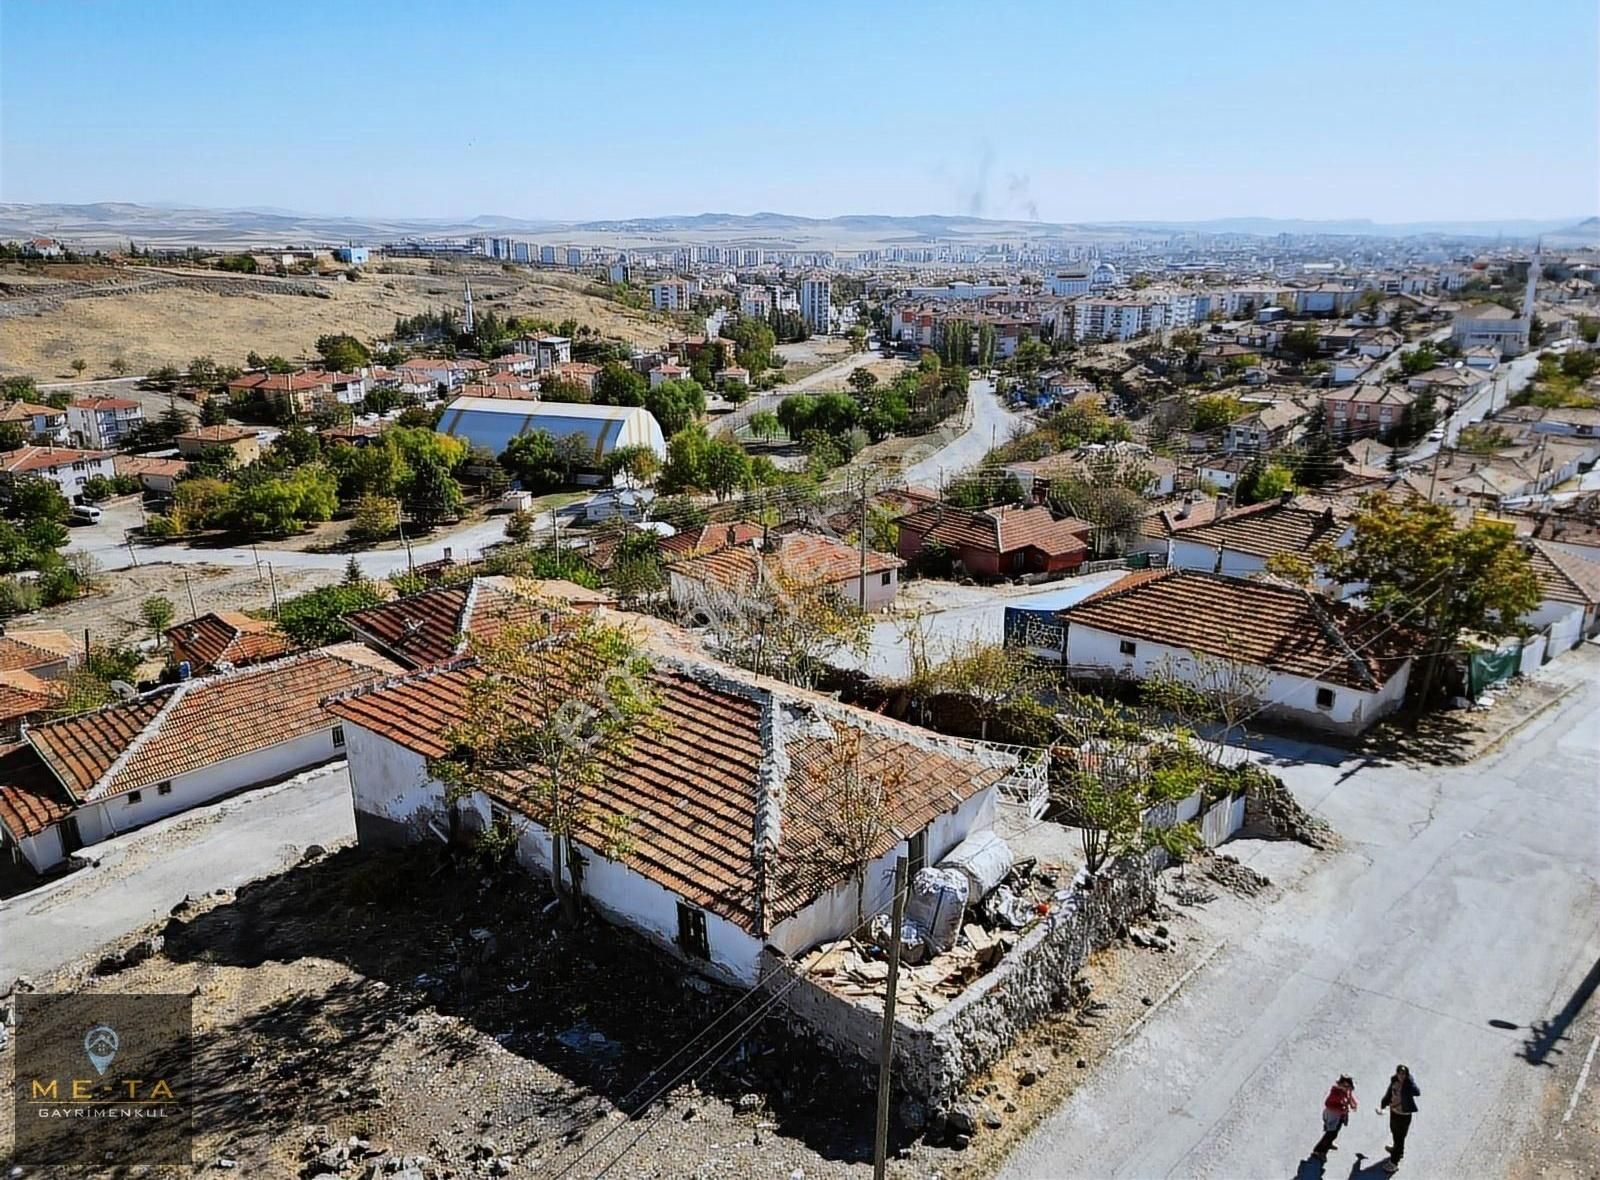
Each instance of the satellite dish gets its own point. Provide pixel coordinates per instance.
(124, 690)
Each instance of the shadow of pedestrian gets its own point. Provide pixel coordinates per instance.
(1365, 1171)
(1310, 1168)
(1546, 1035)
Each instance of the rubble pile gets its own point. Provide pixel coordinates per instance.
(1271, 807)
(1226, 870)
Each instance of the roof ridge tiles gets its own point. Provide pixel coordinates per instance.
(140, 740)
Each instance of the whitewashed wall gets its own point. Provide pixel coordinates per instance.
(1291, 698)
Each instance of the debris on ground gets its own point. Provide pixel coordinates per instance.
(1226, 870)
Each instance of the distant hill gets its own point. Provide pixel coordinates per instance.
(114, 223)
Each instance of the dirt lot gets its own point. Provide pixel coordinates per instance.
(112, 616)
(172, 325)
(426, 1009)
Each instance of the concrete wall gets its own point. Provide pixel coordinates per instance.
(1292, 698)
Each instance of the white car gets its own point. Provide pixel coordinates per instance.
(1436, 434)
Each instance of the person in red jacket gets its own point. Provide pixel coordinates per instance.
(1336, 1110)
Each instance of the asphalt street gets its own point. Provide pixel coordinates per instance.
(989, 424)
(1457, 930)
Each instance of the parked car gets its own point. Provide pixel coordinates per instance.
(86, 514)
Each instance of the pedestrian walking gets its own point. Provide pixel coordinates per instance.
(1400, 1100)
(1336, 1110)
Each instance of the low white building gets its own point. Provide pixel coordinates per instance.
(1240, 541)
(732, 795)
(1296, 656)
(85, 778)
(1489, 325)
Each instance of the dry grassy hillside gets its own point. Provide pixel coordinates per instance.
(172, 324)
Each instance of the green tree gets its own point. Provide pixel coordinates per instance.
(863, 381)
(213, 412)
(79, 365)
(316, 617)
(343, 353)
(1418, 360)
(1302, 344)
(519, 527)
(534, 460)
(726, 467)
(375, 518)
(19, 389)
(638, 462)
(157, 612)
(554, 704)
(1215, 411)
(795, 414)
(619, 385)
(764, 424)
(431, 494)
(202, 372)
(675, 404)
(1434, 578)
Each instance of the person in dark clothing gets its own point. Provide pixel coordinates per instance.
(1336, 1110)
(1400, 1100)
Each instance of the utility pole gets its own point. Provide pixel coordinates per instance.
(194, 612)
(862, 581)
(880, 1141)
(277, 611)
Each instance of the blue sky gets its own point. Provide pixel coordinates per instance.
(1401, 110)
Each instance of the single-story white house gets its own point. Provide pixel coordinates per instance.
(732, 796)
(82, 779)
(1569, 597)
(1302, 657)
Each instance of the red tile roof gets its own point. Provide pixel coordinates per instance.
(227, 635)
(1283, 628)
(430, 627)
(104, 403)
(222, 433)
(710, 536)
(31, 798)
(695, 783)
(29, 650)
(1263, 530)
(31, 458)
(1564, 577)
(809, 559)
(22, 694)
(998, 530)
(198, 723)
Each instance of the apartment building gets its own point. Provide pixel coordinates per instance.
(103, 422)
(816, 304)
(673, 295)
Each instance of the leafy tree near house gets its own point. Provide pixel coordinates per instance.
(726, 467)
(1418, 360)
(1215, 411)
(1439, 580)
(156, 612)
(1302, 344)
(12, 436)
(1261, 481)
(202, 372)
(343, 353)
(675, 404)
(213, 412)
(638, 462)
(619, 385)
(556, 704)
(375, 517)
(764, 424)
(863, 381)
(317, 616)
(534, 460)
(19, 389)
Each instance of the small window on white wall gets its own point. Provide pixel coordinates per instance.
(1324, 698)
(692, 938)
(133, 797)
(163, 788)
(338, 737)
(1127, 647)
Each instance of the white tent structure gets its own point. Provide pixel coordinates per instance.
(493, 422)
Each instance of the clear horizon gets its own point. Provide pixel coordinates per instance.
(426, 111)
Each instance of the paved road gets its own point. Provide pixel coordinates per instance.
(1462, 897)
(1509, 379)
(144, 873)
(107, 543)
(989, 424)
(828, 377)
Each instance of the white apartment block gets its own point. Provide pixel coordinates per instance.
(1124, 317)
(672, 295)
(816, 304)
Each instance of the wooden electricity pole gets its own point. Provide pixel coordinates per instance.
(880, 1140)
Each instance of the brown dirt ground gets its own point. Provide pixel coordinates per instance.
(112, 614)
(425, 1007)
(172, 325)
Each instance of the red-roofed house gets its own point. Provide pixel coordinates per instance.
(732, 806)
(806, 560)
(103, 422)
(40, 423)
(182, 745)
(1004, 542)
(66, 467)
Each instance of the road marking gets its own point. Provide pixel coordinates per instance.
(1583, 1078)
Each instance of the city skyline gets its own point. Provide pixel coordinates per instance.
(1234, 112)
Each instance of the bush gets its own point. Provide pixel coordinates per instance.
(17, 597)
(376, 518)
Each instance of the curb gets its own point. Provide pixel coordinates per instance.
(1522, 724)
(1177, 985)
